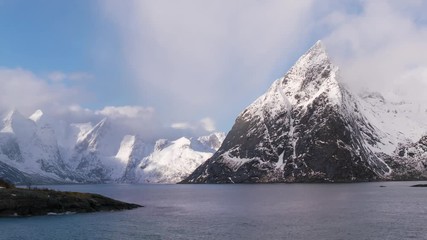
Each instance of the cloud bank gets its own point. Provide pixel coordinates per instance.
(212, 58)
(21, 89)
(382, 48)
(196, 64)
(27, 92)
(205, 58)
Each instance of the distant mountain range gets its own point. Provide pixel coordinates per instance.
(308, 127)
(41, 149)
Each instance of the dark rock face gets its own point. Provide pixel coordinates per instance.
(306, 128)
(25, 202)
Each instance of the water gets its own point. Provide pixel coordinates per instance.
(268, 211)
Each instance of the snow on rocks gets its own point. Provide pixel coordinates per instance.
(309, 127)
(43, 150)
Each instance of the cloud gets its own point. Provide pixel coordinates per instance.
(136, 120)
(191, 59)
(58, 76)
(23, 90)
(126, 112)
(204, 125)
(26, 92)
(382, 48)
(181, 125)
(208, 124)
(188, 58)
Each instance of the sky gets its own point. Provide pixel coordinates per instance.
(190, 66)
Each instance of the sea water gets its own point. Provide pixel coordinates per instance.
(387, 210)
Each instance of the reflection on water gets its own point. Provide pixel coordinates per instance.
(266, 211)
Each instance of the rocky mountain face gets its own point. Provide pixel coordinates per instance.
(309, 128)
(41, 150)
(409, 160)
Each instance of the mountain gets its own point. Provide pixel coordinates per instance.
(172, 161)
(30, 148)
(41, 149)
(308, 127)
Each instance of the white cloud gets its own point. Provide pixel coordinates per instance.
(382, 48)
(181, 125)
(23, 90)
(203, 126)
(188, 58)
(126, 112)
(208, 124)
(26, 92)
(192, 58)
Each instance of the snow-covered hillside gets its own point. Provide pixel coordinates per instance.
(309, 127)
(41, 149)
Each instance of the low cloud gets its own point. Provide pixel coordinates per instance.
(191, 59)
(188, 58)
(204, 125)
(21, 89)
(208, 124)
(127, 112)
(26, 92)
(382, 48)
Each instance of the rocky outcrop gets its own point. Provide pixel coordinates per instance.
(32, 202)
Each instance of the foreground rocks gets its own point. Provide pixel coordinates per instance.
(32, 202)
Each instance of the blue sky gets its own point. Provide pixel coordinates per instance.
(197, 64)
(44, 36)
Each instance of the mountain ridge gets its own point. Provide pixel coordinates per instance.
(40, 149)
(307, 127)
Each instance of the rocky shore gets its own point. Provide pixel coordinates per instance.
(33, 202)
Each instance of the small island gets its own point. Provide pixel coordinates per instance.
(35, 202)
(419, 185)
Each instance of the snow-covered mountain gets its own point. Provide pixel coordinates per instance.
(172, 161)
(308, 127)
(39, 149)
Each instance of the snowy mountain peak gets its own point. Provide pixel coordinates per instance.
(45, 149)
(318, 47)
(101, 124)
(12, 115)
(37, 115)
(15, 121)
(182, 141)
(214, 140)
(160, 144)
(312, 76)
(306, 127)
(126, 148)
(96, 131)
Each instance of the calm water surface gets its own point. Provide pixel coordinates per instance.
(269, 211)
